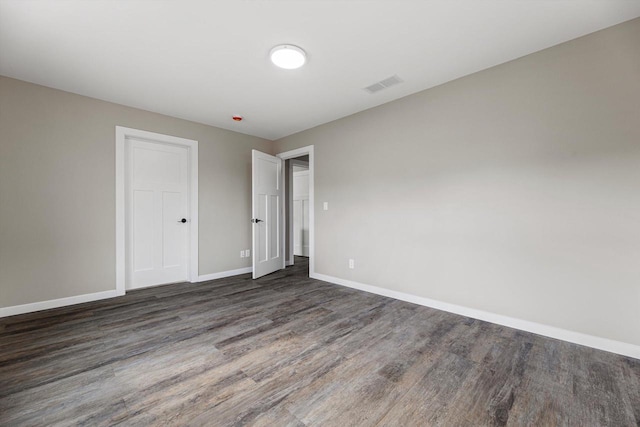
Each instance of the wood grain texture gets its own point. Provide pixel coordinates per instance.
(286, 350)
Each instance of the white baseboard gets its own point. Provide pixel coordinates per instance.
(222, 274)
(55, 303)
(599, 343)
(78, 299)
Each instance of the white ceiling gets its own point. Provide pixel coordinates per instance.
(208, 60)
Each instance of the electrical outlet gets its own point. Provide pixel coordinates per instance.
(241, 254)
(352, 264)
(247, 253)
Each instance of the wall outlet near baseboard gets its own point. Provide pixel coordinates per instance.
(352, 264)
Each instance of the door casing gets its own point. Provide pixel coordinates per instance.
(122, 135)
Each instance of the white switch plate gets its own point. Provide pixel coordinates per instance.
(352, 264)
(325, 206)
(241, 254)
(247, 253)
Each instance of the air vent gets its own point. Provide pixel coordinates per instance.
(383, 84)
(374, 88)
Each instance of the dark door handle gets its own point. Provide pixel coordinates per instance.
(256, 220)
(183, 220)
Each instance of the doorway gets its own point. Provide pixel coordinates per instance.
(300, 206)
(156, 209)
(298, 232)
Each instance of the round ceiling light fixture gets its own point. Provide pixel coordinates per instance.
(288, 56)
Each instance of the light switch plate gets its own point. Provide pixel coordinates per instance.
(325, 206)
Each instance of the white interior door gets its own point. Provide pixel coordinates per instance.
(301, 213)
(158, 210)
(267, 209)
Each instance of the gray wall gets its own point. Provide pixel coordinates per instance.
(515, 190)
(57, 191)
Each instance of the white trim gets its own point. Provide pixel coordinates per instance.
(290, 155)
(222, 274)
(122, 133)
(289, 217)
(120, 211)
(55, 303)
(599, 343)
(193, 212)
(79, 299)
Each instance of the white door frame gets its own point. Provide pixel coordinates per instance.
(308, 150)
(122, 133)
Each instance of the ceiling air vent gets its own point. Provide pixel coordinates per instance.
(383, 84)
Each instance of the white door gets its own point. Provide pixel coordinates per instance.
(158, 211)
(267, 208)
(301, 213)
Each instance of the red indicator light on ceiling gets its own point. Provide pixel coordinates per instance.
(237, 118)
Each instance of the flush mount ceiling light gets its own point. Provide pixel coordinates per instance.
(288, 56)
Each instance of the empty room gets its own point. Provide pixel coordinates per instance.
(320, 213)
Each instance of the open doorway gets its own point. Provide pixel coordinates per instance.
(300, 206)
(298, 233)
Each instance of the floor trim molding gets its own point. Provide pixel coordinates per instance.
(599, 343)
(223, 274)
(79, 299)
(56, 303)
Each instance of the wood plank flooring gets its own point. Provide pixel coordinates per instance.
(286, 350)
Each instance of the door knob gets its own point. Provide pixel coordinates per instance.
(183, 220)
(255, 220)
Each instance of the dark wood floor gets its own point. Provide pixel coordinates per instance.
(289, 350)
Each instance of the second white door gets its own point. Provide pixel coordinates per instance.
(158, 225)
(267, 208)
